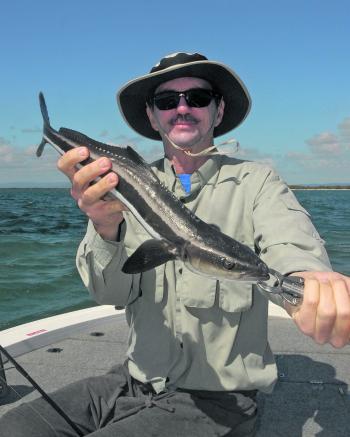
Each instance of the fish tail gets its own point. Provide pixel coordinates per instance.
(40, 148)
(46, 120)
(43, 109)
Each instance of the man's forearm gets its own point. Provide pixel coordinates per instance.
(99, 263)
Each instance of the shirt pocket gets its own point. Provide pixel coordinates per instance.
(235, 296)
(202, 292)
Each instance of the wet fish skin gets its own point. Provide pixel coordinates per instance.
(176, 232)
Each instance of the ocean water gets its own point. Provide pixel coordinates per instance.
(40, 230)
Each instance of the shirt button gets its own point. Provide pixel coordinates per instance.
(181, 345)
(180, 270)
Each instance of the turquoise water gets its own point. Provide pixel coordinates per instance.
(40, 231)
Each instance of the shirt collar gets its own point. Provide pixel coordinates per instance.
(201, 177)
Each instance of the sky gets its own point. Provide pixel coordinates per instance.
(293, 57)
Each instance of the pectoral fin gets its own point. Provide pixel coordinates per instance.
(151, 253)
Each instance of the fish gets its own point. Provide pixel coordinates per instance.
(175, 231)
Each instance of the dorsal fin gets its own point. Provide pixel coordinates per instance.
(103, 148)
(100, 148)
(138, 159)
(78, 137)
(112, 151)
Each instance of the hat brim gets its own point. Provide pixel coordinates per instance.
(132, 96)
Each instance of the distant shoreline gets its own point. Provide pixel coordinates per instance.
(319, 187)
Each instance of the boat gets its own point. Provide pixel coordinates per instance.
(311, 396)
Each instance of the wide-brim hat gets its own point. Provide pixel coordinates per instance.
(133, 95)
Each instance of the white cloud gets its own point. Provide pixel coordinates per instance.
(252, 154)
(326, 159)
(327, 143)
(324, 143)
(327, 149)
(6, 153)
(344, 131)
(21, 167)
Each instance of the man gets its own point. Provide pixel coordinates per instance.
(198, 349)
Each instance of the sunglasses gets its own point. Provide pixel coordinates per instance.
(195, 98)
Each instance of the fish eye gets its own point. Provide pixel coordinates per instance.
(228, 265)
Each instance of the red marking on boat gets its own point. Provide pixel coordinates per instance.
(40, 331)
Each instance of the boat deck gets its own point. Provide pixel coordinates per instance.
(311, 398)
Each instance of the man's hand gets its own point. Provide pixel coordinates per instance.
(324, 313)
(105, 214)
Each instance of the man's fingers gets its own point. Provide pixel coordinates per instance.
(97, 191)
(326, 313)
(101, 211)
(81, 179)
(305, 316)
(68, 162)
(89, 173)
(90, 183)
(341, 331)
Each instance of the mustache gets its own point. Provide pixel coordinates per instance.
(184, 117)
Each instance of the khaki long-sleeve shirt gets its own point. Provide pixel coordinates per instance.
(195, 332)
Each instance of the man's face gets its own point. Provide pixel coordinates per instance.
(186, 126)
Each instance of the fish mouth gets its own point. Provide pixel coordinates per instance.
(264, 270)
(258, 273)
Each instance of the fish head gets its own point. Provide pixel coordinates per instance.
(225, 258)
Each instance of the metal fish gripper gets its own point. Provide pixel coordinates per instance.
(291, 288)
